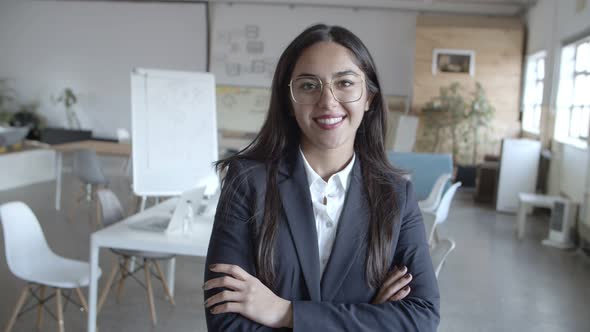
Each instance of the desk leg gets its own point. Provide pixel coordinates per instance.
(521, 220)
(92, 290)
(143, 201)
(170, 274)
(58, 166)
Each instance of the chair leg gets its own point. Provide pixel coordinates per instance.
(148, 281)
(107, 286)
(40, 306)
(60, 314)
(97, 207)
(134, 206)
(124, 270)
(81, 196)
(19, 304)
(164, 283)
(82, 299)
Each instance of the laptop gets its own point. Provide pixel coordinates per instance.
(172, 222)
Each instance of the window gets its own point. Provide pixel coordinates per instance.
(533, 93)
(573, 100)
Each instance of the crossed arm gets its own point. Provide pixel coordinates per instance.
(248, 305)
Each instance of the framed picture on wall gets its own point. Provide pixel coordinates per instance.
(453, 61)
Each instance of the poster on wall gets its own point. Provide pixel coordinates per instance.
(453, 61)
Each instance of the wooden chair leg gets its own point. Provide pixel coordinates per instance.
(148, 281)
(82, 195)
(164, 283)
(134, 206)
(60, 314)
(107, 286)
(82, 299)
(19, 304)
(40, 306)
(124, 270)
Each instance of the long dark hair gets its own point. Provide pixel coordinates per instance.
(280, 135)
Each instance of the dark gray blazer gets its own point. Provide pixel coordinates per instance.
(341, 300)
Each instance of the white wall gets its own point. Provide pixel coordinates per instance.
(92, 47)
(390, 36)
(540, 24)
(550, 25)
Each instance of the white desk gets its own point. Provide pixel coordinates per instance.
(120, 236)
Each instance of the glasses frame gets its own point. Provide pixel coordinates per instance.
(322, 91)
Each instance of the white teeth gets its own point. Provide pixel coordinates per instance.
(329, 121)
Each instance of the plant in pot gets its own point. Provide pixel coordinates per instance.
(481, 113)
(68, 99)
(27, 116)
(7, 102)
(477, 121)
(451, 120)
(443, 117)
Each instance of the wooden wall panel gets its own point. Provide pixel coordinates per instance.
(498, 44)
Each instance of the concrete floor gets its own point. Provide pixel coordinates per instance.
(491, 282)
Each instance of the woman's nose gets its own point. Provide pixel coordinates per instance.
(327, 97)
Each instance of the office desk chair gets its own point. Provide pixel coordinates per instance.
(431, 202)
(431, 220)
(439, 248)
(112, 212)
(439, 253)
(87, 169)
(29, 257)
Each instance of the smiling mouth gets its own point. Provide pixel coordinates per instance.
(329, 121)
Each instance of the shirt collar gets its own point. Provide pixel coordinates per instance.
(340, 177)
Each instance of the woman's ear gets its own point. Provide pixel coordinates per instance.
(369, 101)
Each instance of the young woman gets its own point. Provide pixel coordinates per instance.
(315, 230)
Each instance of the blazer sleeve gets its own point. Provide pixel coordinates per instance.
(419, 311)
(231, 243)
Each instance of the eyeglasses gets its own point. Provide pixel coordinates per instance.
(307, 90)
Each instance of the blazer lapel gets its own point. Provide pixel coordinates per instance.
(298, 208)
(349, 236)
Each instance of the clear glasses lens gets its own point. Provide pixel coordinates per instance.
(345, 89)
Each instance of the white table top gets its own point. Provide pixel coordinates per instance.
(540, 200)
(121, 236)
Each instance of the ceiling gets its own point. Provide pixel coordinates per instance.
(484, 7)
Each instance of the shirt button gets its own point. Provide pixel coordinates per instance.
(329, 224)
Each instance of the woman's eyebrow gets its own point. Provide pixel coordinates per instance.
(344, 72)
(336, 74)
(307, 75)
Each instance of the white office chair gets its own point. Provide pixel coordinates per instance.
(440, 252)
(112, 212)
(431, 202)
(87, 169)
(440, 215)
(29, 257)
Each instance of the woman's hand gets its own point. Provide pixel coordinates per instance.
(247, 296)
(395, 287)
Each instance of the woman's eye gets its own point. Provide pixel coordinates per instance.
(345, 83)
(308, 86)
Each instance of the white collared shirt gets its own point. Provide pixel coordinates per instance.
(327, 215)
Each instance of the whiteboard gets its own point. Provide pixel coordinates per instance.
(247, 40)
(174, 131)
(519, 163)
